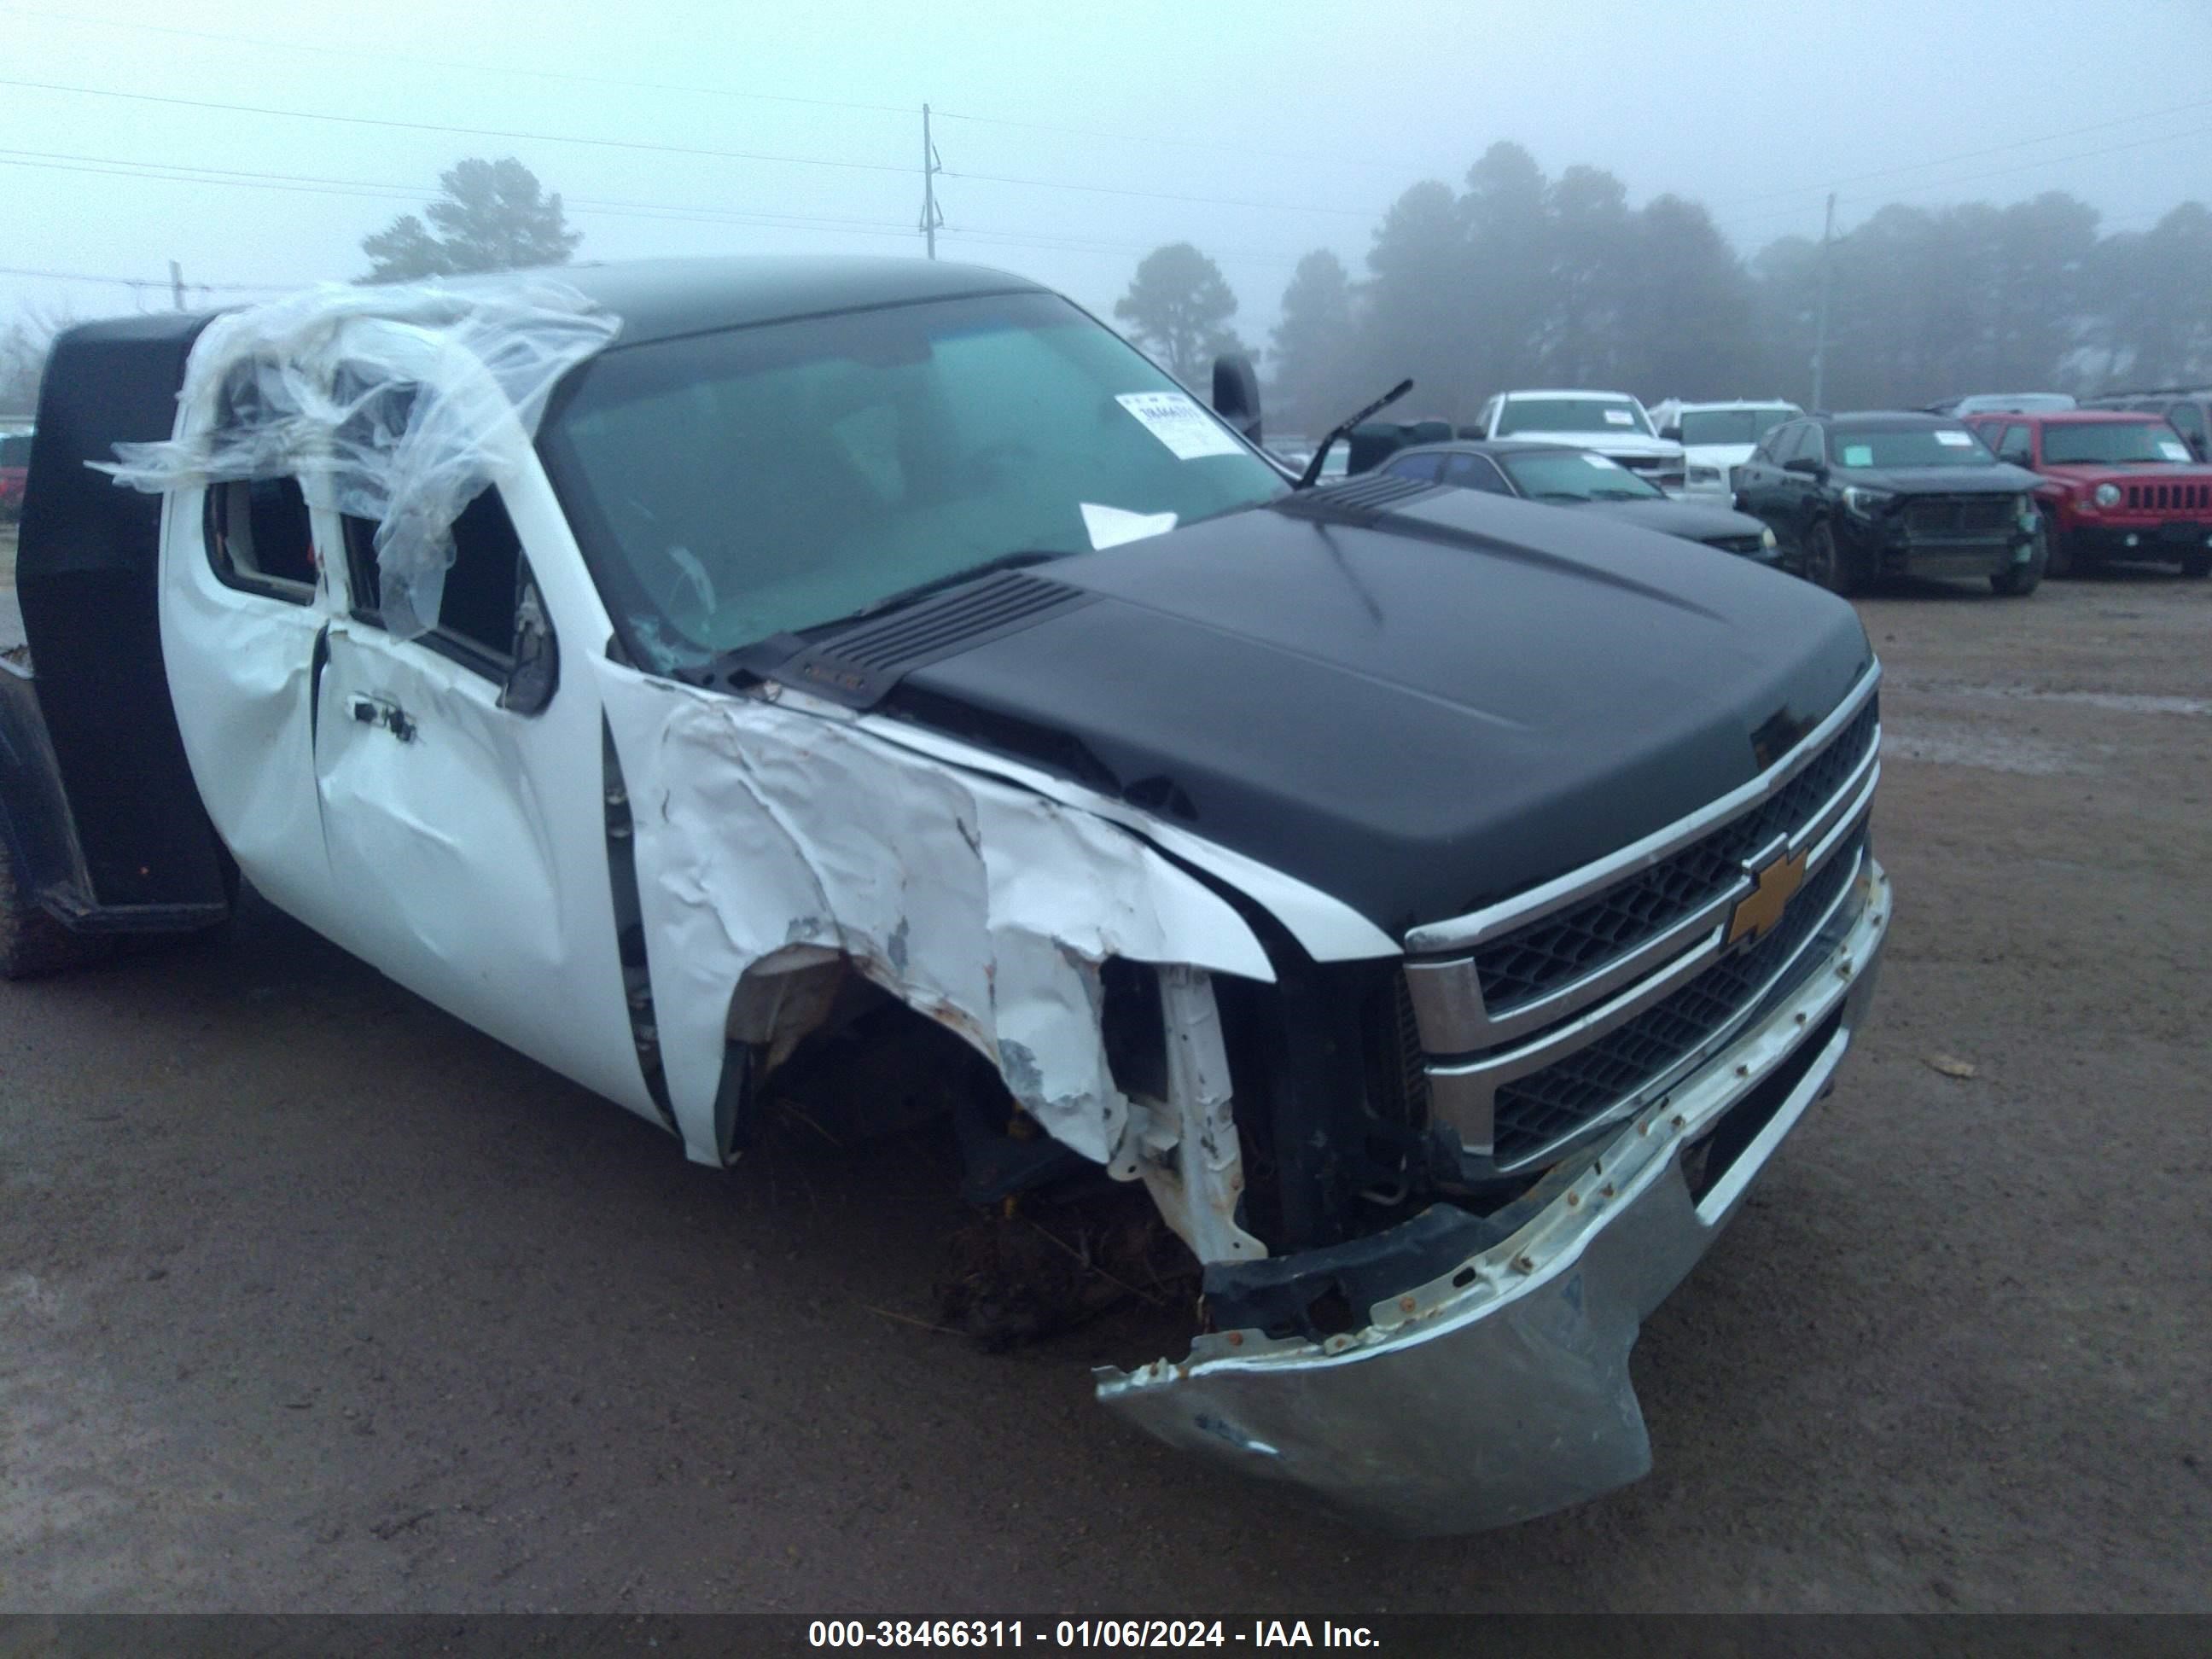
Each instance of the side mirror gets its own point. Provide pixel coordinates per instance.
(1477, 432)
(536, 675)
(1237, 392)
(1673, 434)
(1806, 466)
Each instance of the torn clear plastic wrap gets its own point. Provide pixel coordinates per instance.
(299, 387)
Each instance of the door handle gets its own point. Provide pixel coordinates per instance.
(382, 711)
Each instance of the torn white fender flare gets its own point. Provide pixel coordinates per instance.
(1500, 1391)
(768, 821)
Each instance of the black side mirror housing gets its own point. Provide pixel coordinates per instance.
(1673, 434)
(1805, 465)
(1237, 392)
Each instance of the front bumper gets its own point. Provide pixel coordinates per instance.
(1500, 1391)
(2148, 538)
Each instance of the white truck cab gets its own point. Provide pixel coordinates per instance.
(1611, 423)
(1717, 438)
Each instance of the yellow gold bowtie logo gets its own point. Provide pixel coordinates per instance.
(1761, 907)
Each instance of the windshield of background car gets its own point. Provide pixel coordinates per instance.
(1574, 475)
(1732, 426)
(2149, 443)
(1615, 415)
(1907, 447)
(760, 481)
(16, 449)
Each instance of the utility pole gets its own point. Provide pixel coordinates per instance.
(931, 216)
(1820, 329)
(176, 284)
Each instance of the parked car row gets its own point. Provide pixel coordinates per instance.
(2008, 487)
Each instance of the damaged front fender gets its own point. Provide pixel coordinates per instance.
(771, 830)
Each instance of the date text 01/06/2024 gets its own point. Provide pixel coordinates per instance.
(1085, 1633)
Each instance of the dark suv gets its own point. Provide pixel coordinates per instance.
(1851, 497)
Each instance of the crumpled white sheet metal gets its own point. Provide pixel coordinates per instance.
(766, 831)
(408, 446)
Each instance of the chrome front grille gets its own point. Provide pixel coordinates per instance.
(1532, 961)
(1551, 1014)
(1533, 1112)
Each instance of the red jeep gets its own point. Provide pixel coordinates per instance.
(2116, 485)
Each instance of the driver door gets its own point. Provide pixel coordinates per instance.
(461, 780)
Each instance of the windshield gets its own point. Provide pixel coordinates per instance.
(1615, 415)
(1573, 475)
(1732, 426)
(2148, 442)
(1906, 446)
(762, 481)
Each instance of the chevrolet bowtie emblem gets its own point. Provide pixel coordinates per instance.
(1761, 907)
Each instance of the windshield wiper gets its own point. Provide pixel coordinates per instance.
(1343, 428)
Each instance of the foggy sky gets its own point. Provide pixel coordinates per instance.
(1313, 117)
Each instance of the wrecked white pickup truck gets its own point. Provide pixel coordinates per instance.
(1443, 905)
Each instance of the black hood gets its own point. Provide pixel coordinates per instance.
(1466, 696)
(2002, 479)
(1693, 521)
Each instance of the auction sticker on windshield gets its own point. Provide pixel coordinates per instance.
(1603, 462)
(1618, 417)
(2173, 449)
(1955, 440)
(1858, 454)
(1187, 431)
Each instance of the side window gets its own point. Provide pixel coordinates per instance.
(260, 538)
(477, 615)
(2018, 447)
(1428, 468)
(1474, 472)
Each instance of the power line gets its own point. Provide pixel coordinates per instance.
(1895, 196)
(145, 281)
(573, 78)
(67, 162)
(358, 53)
(673, 150)
(471, 132)
(1973, 154)
(1303, 157)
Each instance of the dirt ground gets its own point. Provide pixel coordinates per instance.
(311, 1297)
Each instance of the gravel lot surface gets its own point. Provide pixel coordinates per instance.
(313, 1299)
